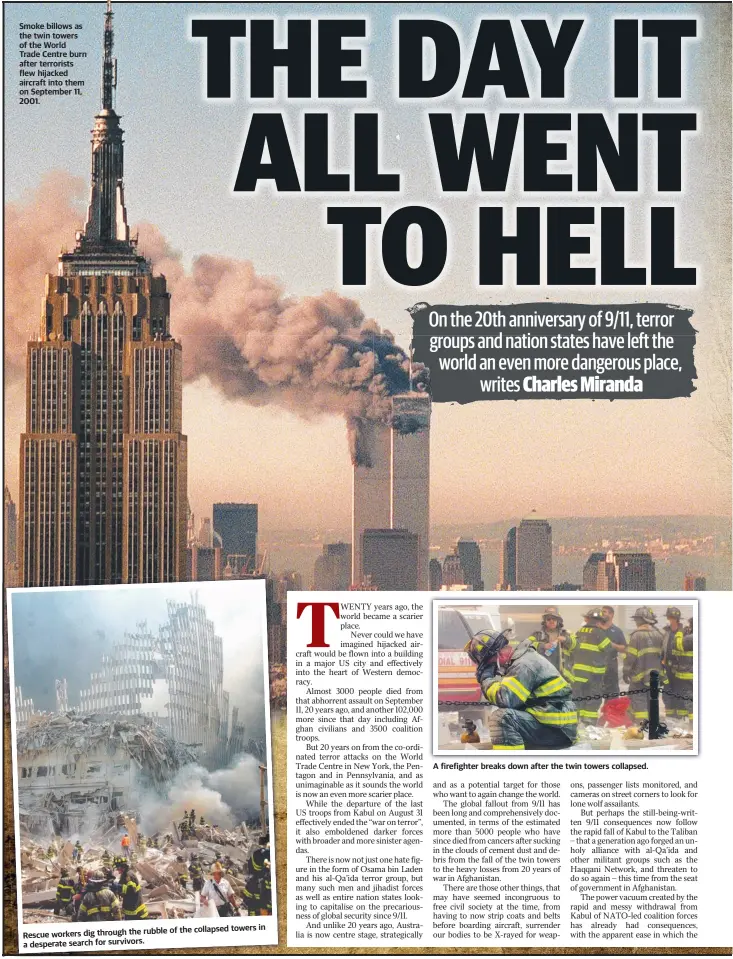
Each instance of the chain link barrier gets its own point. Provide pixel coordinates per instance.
(453, 704)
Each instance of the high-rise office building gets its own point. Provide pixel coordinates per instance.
(469, 553)
(436, 575)
(508, 561)
(534, 553)
(635, 571)
(390, 558)
(103, 458)
(10, 532)
(391, 487)
(453, 572)
(236, 526)
(332, 568)
(695, 581)
(204, 563)
(619, 571)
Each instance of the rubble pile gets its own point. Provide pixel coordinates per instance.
(163, 868)
(157, 753)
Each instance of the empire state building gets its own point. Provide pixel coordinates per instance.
(103, 457)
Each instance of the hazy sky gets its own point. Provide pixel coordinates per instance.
(64, 632)
(489, 460)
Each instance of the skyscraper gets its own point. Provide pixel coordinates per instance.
(508, 564)
(469, 554)
(392, 483)
(635, 571)
(619, 571)
(436, 575)
(534, 553)
(10, 528)
(390, 558)
(333, 567)
(453, 572)
(103, 458)
(236, 525)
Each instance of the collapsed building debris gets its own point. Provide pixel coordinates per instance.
(161, 862)
(76, 771)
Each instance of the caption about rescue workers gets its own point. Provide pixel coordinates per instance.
(149, 935)
(49, 58)
(555, 351)
(525, 64)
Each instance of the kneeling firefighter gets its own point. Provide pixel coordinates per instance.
(536, 710)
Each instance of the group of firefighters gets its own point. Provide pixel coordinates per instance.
(116, 893)
(550, 683)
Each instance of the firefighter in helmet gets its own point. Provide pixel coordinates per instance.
(535, 706)
(678, 665)
(643, 654)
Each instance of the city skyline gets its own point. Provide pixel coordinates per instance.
(467, 442)
(103, 456)
(391, 481)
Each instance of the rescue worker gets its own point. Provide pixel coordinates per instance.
(192, 818)
(182, 876)
(552, 639)
(99, 903)
(142, 844)
(184, 829)
(128, 881)
(259, 855)
(678, 665)
(590, 647)
(77, 852)
(64, 895)
(266, 890)
(218, 889)
(536, 710)
(125, 844)
(611, 688)
(196, 873)
(643, 654)
(106, 859)
(252, 895)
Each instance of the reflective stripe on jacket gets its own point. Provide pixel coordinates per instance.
(678, 653)
(590, 654)
(643, 654)
(132, 897)
(64, 891)
(531, 683)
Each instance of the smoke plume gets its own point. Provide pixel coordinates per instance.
(224, 798)
(35, 232)
(312, 355)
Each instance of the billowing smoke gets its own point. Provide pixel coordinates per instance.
(35, 232)
(239, 786)
(224, 798)
(311, 355)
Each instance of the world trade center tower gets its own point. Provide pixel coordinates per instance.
(103, 457)
(393, 492)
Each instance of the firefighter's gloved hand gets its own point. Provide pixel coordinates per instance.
(486, 672)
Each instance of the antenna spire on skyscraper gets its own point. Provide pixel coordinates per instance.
(109, 64)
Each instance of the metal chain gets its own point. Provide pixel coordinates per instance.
(454, 703)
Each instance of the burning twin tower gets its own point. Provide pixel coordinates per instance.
(103, 457)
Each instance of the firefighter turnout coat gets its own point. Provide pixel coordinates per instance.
(643, 654)
(133, 906)
(532, 685)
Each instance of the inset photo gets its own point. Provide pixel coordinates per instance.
(141, 754)
(574, 675)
